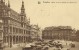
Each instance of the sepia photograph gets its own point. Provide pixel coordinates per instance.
(39, 24)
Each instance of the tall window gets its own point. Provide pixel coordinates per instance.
(21, 24)
(24, 31)
(5, 22)
(5, 29)
(10, 29)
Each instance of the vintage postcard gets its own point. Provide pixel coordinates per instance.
(39, 24)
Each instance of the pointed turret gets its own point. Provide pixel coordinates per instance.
(8, 3)
(22, 8)
(23, 15)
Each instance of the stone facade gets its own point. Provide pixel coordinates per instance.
(60, 32)
(77, 35)
(35, 32)
(16, 28)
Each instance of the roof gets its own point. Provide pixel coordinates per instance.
(58, 28)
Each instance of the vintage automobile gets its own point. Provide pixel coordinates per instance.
(59, 45)
(72, 45)
(26, 48)
(42, 44)
(50, 45)
(45, 48)
(29, 46)
(39, 47)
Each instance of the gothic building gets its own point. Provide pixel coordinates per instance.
(35, 31)
(15, 28)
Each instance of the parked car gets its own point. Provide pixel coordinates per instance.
(72, 45)
(45, 48)
(42, 44)
(59, 46)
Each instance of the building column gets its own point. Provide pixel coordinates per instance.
(9, 40)
(22, 39)
(12, 41)
(15, 39)
(18, 39)
(5, 39)
(25, 39)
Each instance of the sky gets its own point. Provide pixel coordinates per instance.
(50, 14)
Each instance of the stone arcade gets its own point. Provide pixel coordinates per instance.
(15, 28)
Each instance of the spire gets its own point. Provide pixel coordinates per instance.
(22, 7)
(8, 3)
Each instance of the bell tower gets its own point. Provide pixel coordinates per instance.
(23, 9)
(23, 15)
